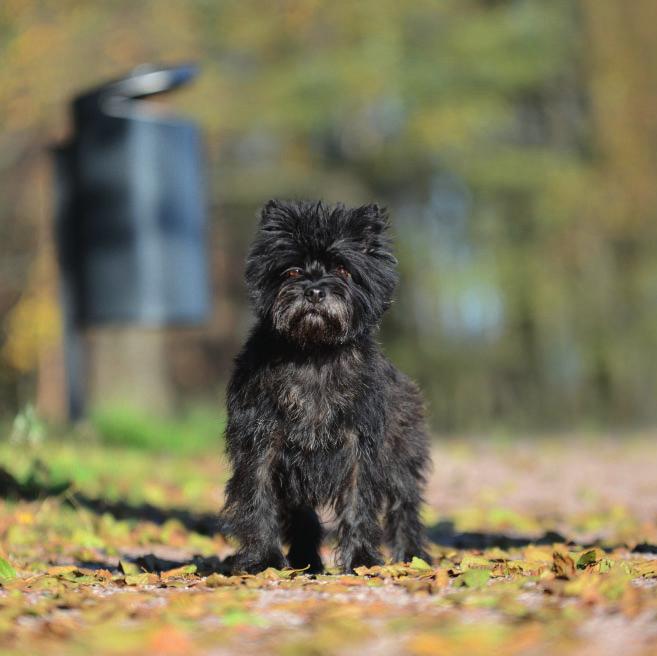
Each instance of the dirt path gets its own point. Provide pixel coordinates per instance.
(541, 547)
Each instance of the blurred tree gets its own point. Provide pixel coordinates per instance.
(514, 141)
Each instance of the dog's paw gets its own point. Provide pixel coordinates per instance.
(360, 557)
(311, 563)
(252, 562)
(405, 552)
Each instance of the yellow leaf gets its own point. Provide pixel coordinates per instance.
(184, 570)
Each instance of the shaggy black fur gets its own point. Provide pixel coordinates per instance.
(317, 416)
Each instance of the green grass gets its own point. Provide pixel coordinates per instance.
(174, 460)
(200, 429)
(121, 473)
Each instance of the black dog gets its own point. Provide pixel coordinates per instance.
(316, 414)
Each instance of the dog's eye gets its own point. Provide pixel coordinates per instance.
(342, 271)
(295, 272)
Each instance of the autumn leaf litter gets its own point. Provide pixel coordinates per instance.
(73, 581)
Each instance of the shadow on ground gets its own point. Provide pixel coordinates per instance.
(442, 533)
(33, 489)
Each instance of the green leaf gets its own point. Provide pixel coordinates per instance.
(139, 579)
(128, 568)
(475, 578)
(475, 562)
(179, 571)
(47, 583)
(605, 565)
(590, 557)
(418, 563)
(7, 572)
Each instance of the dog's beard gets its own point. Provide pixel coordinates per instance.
(327, 322)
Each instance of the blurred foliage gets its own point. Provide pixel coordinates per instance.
(28, 429)
(166, 478)
(513, 141)
(193, 431)
(196, 429)
(34, 322)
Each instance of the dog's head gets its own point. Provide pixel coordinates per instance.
(321, 274)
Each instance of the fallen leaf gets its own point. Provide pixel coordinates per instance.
(419, 564)
(475, 578)
(145, 578)
(563, 564)
(7, 572)
(590, 557)
(184, 570)
(126, 567)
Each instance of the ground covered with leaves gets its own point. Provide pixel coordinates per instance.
(540, 547)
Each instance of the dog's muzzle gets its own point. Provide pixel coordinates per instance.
(315, 294)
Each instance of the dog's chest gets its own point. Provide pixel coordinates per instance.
(316, 402)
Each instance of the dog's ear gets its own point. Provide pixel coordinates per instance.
(272, 213)
(375, 218)
(374, 223)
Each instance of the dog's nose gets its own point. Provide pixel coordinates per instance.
(315, 294)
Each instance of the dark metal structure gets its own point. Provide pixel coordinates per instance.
(130, 216)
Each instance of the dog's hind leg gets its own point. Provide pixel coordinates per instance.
(303, 532)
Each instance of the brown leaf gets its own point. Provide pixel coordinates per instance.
(563, 564)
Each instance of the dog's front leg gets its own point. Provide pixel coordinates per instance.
(253, 512)
(359, 532)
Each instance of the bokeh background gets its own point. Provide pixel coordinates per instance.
(514, 142)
